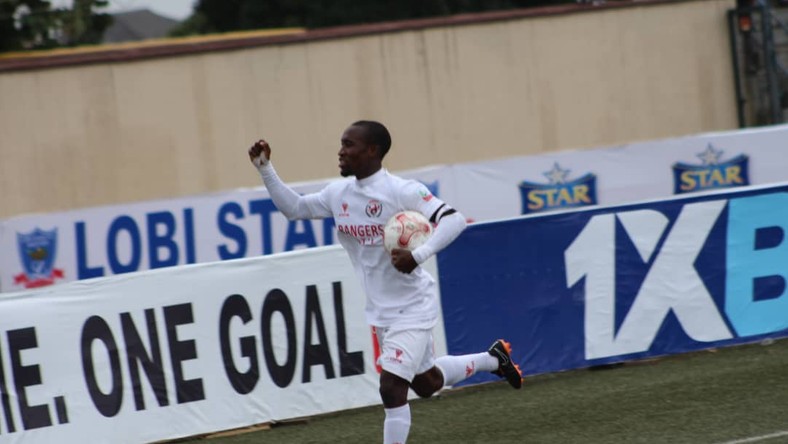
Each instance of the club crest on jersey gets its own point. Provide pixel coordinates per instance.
(374, 208)
(712, 173)
(37, 251)
(559, 192)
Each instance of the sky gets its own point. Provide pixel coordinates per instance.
(174, 9)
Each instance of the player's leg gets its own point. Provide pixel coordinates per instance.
(497, 360)
(401, 352)
(429, 378)
(459, 368)
(433, 374)
(427, 383)
(394, 393)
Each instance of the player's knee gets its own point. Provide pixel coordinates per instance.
(424, 392)
(426, 384)
(392, 397)
(393, 390)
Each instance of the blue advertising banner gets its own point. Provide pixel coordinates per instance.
(597, 286)
(46, 249)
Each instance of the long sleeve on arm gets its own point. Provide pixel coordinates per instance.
(290, 203)
(449, 227)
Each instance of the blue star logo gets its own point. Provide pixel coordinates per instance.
(713, 172)
(559, 192)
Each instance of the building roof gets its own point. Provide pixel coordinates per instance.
(141, 24)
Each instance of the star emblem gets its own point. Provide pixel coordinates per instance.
(557, 175)
(710, 156)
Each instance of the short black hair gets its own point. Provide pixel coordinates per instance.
(376, 134)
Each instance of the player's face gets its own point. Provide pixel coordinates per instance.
(356, 154)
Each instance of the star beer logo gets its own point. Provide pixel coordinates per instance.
(559, 192)
(712, 173)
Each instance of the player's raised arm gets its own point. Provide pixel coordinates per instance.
(287, 201)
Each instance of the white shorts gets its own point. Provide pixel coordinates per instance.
(406, 353)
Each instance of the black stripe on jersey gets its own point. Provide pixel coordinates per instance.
(435, 218)
(447, 212)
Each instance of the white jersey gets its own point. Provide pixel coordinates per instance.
(360, 209)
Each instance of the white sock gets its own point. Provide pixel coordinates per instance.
(396, 425)
(457, 368)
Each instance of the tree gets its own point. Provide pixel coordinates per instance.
(83, 24)
(211, 16)
(34, 24)
(25, 24)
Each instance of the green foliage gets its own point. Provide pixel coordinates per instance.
(24, 23)
(34, 24)
(83, 25)
(212, 16)
(197, 23)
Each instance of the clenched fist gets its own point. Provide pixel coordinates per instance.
(260, 153)
(403, 260)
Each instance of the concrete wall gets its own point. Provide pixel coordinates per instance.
(126, 131)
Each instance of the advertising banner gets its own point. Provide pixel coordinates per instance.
(505, 188)
(39, 250)
(591, 287)
(46, 249)
(186, 350)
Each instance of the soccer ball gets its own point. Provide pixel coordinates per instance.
(406, 229)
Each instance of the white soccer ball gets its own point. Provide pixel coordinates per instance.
(406, 229)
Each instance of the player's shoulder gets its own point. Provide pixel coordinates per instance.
(411, 189)
(339, 185)
(402, 182)
(335, 190)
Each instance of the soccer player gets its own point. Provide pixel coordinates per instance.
(402, 299)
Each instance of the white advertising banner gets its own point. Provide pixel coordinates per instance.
(186, 350)
(514, 186)
(38, 250)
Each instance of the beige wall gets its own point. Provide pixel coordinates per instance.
(119, 132)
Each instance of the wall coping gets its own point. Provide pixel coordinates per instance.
(173, 47)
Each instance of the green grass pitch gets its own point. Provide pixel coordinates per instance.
(704, 397)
